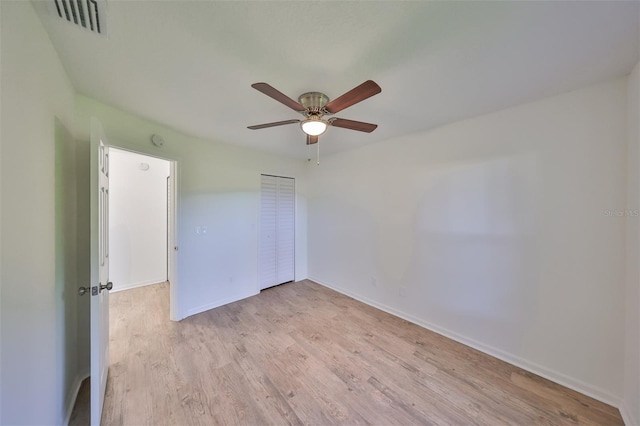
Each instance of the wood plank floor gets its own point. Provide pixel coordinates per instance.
(303, 354)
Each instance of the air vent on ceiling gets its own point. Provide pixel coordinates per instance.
(88, 14)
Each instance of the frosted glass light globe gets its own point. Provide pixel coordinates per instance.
(314, 127)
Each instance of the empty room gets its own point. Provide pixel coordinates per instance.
(363, 212)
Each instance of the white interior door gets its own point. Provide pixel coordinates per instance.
(100, 284)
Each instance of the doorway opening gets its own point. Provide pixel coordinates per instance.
(142, 222)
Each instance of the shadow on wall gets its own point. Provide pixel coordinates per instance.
(218, 240)
(475, 257)
(451, 244)
(66, 287)
(344, 244)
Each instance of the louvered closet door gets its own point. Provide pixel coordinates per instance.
(277, 224)
(268, 211)
(285, 221)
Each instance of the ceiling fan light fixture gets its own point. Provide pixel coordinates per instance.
(314, 105)
(314, 126)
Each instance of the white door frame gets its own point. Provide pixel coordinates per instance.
(175, 313)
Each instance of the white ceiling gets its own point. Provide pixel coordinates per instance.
(190, 64)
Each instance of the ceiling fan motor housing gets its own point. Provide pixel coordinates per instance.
(313, 102)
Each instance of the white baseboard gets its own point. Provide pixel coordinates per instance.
(627, 415)
(555, 376)
(73, 396)
(217, 303)
(136, 285)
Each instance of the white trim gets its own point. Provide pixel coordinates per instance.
(627, 415)
(138, 284)
(555, 376)
(175, 314)
(75, 388)
(218, 303)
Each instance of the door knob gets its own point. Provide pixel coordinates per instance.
(109, 286)
(83, 290)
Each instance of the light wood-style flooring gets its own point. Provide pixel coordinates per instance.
(303, 354)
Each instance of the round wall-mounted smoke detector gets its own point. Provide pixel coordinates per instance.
(157, 140)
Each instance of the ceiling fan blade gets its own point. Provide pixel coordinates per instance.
(312, 139)
(353, 96)
(278, 96)
(353, 125)
(275, 123)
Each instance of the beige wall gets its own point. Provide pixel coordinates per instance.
(492, 230)
(35, 91)
(219, 188)
(66, 293)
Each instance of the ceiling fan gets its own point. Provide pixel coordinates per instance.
(315, 105)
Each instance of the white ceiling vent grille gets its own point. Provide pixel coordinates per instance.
(87, 14)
